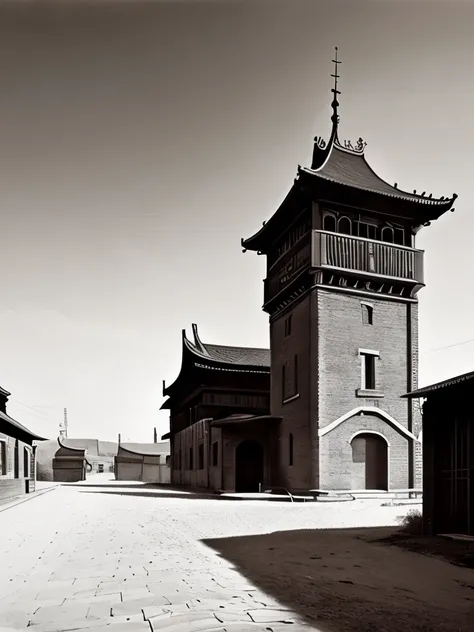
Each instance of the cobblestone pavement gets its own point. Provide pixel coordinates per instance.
(78, 558)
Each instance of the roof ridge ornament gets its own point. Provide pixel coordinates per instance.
(321, 150)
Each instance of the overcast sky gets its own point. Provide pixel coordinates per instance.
(140, 141)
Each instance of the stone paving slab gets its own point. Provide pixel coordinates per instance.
(133, 563)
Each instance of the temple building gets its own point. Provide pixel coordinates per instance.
(341, 292)
(222, 435)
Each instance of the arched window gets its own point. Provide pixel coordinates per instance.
(329, 223)
(290, 449)
(387, 234)
(344, 226)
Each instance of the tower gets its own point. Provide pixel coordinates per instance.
(341, 291)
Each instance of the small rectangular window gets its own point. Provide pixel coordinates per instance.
(288, 326)
(283, 382)
(201, 456)
(369, 372)
(296, 374)
(215, 454)
(367, 314)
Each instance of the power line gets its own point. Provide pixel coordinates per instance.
(456, 344)
(30, 407)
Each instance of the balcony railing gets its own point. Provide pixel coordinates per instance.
(367, 256)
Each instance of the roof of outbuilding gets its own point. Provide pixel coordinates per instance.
(438, 386)
(147, 449)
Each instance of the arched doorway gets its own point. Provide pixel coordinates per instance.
(370, 460)
(248, 467)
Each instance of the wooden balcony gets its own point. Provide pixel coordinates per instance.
(368, 257)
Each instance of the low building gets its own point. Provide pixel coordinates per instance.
(17, 455)
(145, 462)
(222, 434)
(448, 456)
(100, 455)
(70, 463)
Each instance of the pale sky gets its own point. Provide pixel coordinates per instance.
(140, 141)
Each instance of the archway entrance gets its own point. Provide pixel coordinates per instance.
(248, 467)
(370, 459)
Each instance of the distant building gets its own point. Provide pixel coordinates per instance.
(17, 455)
(448, 455)
(145, 462)
(222, 435)
(70, 463)
(341, 292)
(100, 455)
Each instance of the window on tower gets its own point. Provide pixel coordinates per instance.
(369, 361)
(344, 226)
(387, 234)
(369, 380)
(367, 314)
(289, 379)
(329, 223)
(288, 326)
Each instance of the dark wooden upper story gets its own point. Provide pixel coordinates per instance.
(340, 216)
(215, 381)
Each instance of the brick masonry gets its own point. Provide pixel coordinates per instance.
(327, 332)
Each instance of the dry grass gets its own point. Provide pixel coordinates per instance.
(412, 523)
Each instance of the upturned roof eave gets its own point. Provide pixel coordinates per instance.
(398, 195)
(254, 242)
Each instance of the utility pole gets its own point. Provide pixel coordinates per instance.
(63, 426)
(155, 436)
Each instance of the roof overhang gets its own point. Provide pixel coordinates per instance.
(20, 427)
(439, 386)
(245, 420)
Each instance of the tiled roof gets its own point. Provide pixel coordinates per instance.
(91, 445)
(351, 169)
(244, 356)
(426, 390)
(148, 449)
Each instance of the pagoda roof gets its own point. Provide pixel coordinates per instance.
(349, 167)
(344, 166)
(201, 355)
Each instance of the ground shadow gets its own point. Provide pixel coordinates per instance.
(455, 551)
(156, 494)
(346, 580)
(117, 484)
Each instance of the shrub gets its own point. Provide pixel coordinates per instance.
(412, 523)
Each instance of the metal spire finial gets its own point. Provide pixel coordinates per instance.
(335, 91)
